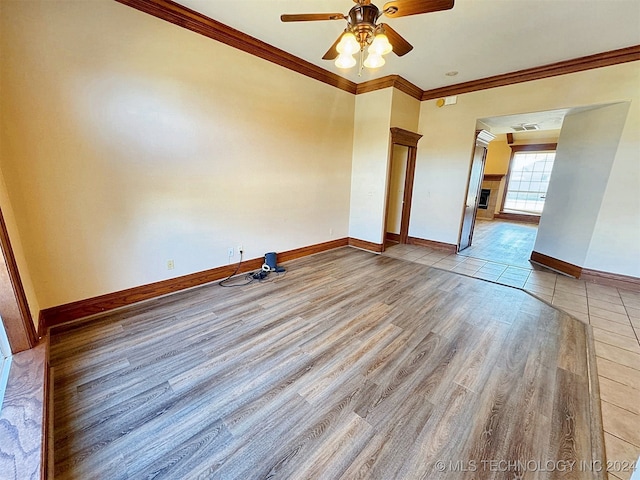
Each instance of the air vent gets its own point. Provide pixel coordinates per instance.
(525, 127)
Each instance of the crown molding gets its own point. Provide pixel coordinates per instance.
(390, 81)
(196, 22)
(407, 87)
(605, 59)
(376, 84)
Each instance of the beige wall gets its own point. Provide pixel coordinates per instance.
(376, 112)
(371, 142)
(405, 111)
(497, 163)
(445, 151)
(498, 156)
(18, 252)
(585, 154)
(128, 141)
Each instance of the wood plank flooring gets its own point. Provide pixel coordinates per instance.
(352, 365)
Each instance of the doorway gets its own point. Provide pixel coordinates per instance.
(476, 173)
(15, 315)
(396, 201)
(402, 164)
(498, 233)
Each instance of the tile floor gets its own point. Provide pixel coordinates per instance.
(614, 316)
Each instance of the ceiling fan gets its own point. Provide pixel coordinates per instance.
(363, 31)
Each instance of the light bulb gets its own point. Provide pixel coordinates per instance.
(348, 44)
(374, 61)
(345, 61)
(380, 45)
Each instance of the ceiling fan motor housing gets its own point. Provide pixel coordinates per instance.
(362, 22)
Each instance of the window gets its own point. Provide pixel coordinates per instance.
(528, 180)
(5, 361)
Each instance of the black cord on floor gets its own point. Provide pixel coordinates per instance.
(249, 277)
(260, 276)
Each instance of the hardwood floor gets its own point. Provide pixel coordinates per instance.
(612, 312)
(352, 365)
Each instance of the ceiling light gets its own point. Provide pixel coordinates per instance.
(350, 44)
(363, 29)
(345, 61)
(380, 45)
(374, 61)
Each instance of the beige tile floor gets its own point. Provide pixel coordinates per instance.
(614, 316)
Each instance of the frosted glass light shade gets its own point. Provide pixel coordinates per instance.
(345, 61)
(348, 44)
(374, 61)
(380, 45)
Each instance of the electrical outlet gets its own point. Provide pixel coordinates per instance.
(170, 265)
(240, 250)
(230, 251)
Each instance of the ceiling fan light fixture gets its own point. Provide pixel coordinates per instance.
(348, 44)
(363, 30)
(380, 45)
(345, 60)
(374, 60)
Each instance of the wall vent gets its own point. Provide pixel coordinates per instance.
(526, 127)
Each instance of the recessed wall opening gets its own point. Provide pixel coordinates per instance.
(521, 186)
(513, 187)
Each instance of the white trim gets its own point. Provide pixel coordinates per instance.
(5, 349)
(5, 362)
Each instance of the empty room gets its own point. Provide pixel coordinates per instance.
(330, 239)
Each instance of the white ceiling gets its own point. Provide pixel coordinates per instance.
(477, 38)
(546, 120)
(549, 120)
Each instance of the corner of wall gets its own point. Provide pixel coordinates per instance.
(371, 140)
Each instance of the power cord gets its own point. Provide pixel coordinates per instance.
(250, 280)
(261, 276)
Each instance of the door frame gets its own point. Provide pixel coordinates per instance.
(400, 136)
(14, 309)
(482, 139)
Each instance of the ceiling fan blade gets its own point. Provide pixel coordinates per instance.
(404, 8)
(333, 53)
(400, 45)
(309, 17)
